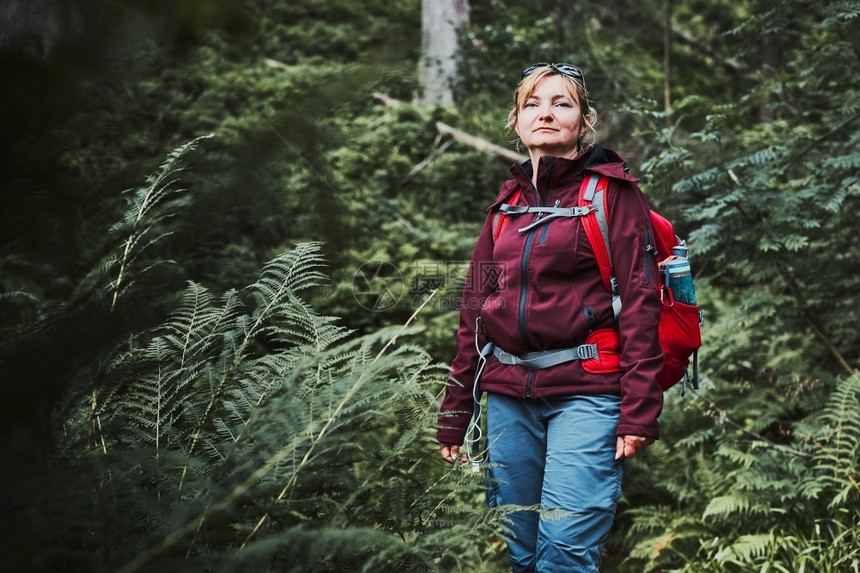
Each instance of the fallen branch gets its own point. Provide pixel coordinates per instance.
(474, 141)
(479, 143)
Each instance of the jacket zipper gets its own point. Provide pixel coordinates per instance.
(524, 290)
(546, 226)
(590, 317)
(649, 248)
(524, 273)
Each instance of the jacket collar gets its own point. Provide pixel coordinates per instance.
(595, 159)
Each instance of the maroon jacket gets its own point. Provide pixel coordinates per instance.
(541, 290)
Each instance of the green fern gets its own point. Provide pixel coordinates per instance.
(836, 462)
(321, 433)
(142, 215)
(746, 549)
(245, 426)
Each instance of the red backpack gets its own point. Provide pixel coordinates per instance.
(679, 327)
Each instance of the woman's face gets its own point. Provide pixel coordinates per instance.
(550, 121)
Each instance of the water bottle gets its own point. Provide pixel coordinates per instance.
(678, 277)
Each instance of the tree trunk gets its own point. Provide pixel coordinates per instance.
(441, 22)
(560, 20)
(769, 64)
(37, 28)
(667, 58)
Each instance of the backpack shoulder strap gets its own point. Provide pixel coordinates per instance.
(593, 194)
(500, 219)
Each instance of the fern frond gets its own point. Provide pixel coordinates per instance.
(249, 416)
(836, 461)
(138, 219)
(733, 504)
(747, 549)
(288, 274)
(281, 277)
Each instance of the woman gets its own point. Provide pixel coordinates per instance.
(557, 433)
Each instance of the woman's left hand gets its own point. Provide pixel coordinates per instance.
(629, 446)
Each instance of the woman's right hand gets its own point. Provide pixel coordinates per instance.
(450, 452)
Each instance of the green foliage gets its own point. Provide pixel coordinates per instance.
(836, 436)
(757, 510)
(244, 431)
(771, 486)
(158, 409)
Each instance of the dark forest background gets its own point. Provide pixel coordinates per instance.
(231, 239)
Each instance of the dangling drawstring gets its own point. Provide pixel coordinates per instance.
(474, 434)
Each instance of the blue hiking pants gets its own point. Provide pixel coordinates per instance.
(558, 456)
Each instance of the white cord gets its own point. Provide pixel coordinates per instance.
(472, 441)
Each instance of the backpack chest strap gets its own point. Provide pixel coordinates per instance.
(545, 214)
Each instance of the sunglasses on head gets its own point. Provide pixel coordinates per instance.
(566, 69)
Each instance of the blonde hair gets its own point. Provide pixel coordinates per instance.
(527, 87)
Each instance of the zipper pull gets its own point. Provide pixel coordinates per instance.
(650, 248)
(590, 317)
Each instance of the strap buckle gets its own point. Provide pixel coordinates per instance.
(587, 351)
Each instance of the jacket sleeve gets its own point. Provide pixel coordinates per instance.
(630, 234)
(457, 405)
